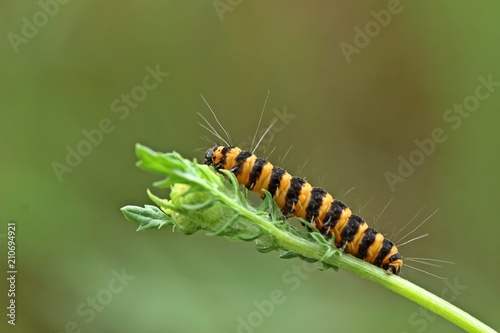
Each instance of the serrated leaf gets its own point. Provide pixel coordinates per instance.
(148, 160)
(148, 217)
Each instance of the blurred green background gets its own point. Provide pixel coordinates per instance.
(355, 101)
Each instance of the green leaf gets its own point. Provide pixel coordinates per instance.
(289, 255)
(149, 217)
(320, 238)
(307, 259)
(150, 160)
(326, 266)
(266, 248)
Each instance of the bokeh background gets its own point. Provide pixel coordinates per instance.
(354, 105)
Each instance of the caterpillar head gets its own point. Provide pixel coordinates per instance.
(210, 156)
(215, 156)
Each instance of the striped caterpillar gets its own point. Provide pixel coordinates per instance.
(295, 196)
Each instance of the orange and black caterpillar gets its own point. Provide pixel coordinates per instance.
(296, 196)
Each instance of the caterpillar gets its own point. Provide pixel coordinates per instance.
(295, 196)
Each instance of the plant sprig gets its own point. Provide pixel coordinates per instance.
(202, 199)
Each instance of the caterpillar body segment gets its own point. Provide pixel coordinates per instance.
(295, 196)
